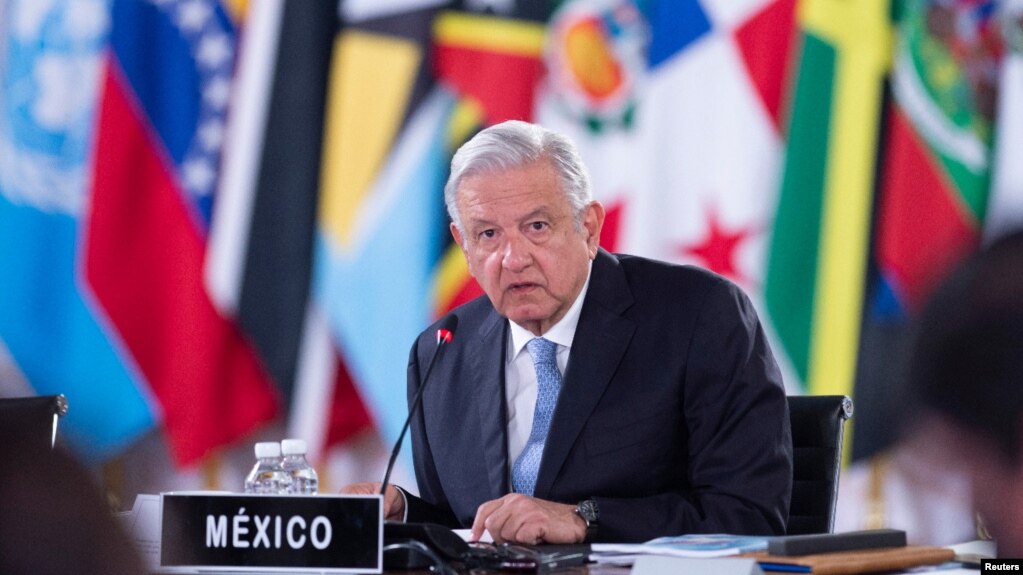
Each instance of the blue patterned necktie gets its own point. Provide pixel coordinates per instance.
(548, 380)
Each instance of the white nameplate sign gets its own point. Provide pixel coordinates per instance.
(279, 533)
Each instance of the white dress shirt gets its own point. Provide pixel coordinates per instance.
(520, 378)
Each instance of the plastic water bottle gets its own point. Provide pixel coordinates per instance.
(266, 476)
(303, 477)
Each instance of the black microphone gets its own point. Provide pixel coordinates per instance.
(445, 333)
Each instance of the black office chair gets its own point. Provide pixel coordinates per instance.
(33, 418)
(817, 425)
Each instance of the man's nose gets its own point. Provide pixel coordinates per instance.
(517, 253)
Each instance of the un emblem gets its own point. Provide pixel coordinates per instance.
(50, 67)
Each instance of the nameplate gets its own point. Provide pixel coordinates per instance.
(300, 534)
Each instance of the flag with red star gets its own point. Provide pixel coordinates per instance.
(677, 116)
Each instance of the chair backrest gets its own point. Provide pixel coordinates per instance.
(34, 418)
(817, 425)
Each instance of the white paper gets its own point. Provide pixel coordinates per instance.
(466, 533)
(142, 524)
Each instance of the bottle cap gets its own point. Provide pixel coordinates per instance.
(293, 447)
(266, 449)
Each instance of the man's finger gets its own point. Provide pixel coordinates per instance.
(479, 523)
(529, 534)
(366, 488)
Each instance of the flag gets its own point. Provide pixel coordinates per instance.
(938, 155)
(934, 181)
(818, 250)
(1005, 205)
(491, 60)
(56, 337)
(12, 382)
(679, 123)
(380, 215)
(165, 90)
(259, 268)
(262, 277)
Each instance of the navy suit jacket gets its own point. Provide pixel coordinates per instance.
(672, 413)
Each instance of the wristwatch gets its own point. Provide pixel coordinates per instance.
(590, 513)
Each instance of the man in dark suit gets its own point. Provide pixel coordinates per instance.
(588, 396)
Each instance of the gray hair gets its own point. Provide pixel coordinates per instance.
(513, 144)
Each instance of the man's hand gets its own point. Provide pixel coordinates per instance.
(394, 501)
(518, 518)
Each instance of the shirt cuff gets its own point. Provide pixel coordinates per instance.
(404, 499)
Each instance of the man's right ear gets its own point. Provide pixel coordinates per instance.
(460, 240)
(457, 235)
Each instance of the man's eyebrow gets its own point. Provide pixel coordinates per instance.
(541, 211)
(474, 223)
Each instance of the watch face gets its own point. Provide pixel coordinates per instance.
(588, 510)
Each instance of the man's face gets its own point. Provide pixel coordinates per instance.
(522, 244)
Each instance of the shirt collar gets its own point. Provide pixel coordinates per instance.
(561, 333)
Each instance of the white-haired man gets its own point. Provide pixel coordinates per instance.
(587, 396)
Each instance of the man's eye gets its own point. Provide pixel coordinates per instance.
(538, 226)
(487, 233)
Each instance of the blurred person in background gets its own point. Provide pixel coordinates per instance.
(53, 517)
(966, 384)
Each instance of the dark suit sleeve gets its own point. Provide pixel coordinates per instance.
(431, 506)
(740, 450)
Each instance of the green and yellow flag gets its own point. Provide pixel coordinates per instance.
(818, 253)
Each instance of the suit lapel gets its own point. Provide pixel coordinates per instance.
(488, 378)
(600, 341)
